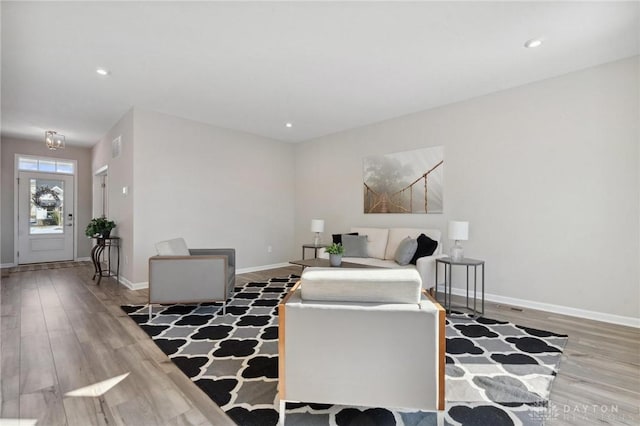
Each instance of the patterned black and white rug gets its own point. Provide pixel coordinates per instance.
(497, 373)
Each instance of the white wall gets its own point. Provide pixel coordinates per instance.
(547, 175)
(12, 146)
(120, 169)
(214, 187)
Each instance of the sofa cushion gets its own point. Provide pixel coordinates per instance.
(376, 240)
(337, 238)
(406, 250)
(426, 247)
(361, 285)
(355, 245)
(175, 247)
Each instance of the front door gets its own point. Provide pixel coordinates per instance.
(45, 217)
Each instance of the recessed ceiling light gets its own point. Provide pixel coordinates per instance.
(289, 125)
(103, 72)
(534, 42)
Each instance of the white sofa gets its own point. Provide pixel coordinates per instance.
(382, 340)
(381, 248)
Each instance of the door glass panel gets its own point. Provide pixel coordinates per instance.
(46, 206)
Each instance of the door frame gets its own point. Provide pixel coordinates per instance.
(16, 171)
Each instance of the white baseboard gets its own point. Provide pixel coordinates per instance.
(133, 286)
(145, 284)
(83, 259)
(7, 265)
(261, 268)
(558, 309)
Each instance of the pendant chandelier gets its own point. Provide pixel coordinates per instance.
(53, 140)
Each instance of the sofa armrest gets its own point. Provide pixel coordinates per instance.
(229, 252)
(322, 253)
(426, 266)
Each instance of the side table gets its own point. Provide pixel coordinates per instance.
(469, 263)
(96, 254)
(314, 247)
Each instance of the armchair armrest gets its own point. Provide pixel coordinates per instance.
(229, 252)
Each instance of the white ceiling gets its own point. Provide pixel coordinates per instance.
(324, 66)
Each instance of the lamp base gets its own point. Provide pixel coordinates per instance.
(456, 252)
(316, 239)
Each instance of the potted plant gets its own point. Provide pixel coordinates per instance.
(335, 254)
(99, 227)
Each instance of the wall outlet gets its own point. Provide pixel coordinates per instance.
(269, 249)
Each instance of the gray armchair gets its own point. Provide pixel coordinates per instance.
(182, 275)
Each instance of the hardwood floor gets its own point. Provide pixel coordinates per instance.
(60, 332)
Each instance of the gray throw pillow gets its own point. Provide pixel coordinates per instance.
(355, 245)
(405, 251)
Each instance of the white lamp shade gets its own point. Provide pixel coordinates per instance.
(317, 225)
(458, 231)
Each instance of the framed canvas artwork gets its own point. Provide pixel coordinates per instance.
(404, 182)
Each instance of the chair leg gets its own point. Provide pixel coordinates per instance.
(149, 311)
(281, 417)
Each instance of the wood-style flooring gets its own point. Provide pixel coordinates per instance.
(60, 332)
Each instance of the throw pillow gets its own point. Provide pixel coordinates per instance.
(355, 245)
(405, 251)
(426, 247)
(175, 247)
(337, 238)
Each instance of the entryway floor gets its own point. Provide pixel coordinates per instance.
(47, 265)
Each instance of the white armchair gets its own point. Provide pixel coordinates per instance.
(182, 275)
(364, 337)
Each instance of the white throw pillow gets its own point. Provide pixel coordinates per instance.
(175, 247)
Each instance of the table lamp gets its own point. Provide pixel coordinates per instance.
(317, 226)
(458, 231)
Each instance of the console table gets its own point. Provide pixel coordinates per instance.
(469, 264)
(107, 244)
